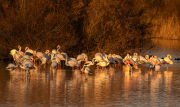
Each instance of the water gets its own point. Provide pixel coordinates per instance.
(109, 87)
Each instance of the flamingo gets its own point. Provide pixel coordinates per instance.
(29, 52)
(27, 66)
(89, 63)
(135, 57)
(38, 54)
(154, 60)
(168, 60)
(86, 70)
(103, 63)
(47, 55)
(82, 58)
(142, 60)
(25, 57)
(12, 52)
(130, 62)
(11, 67)
(56, 59)
(55, 51)
(100, 57)
(117, 56)
(20, 52)
(61, 55)
(71, 62)
(111, 59)
(17, 57)
(117, 59)
(44, 60)
(58, 48)
(114, 58)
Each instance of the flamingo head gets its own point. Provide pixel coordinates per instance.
(26, 48)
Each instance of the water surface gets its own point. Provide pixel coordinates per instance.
(108, 87)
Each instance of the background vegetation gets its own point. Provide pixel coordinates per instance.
(90, 26)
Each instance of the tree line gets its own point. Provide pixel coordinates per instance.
(90, 26)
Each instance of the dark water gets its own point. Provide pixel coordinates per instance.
(109, 87)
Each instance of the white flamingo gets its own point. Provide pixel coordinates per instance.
(39, 54)
(156, 66)
(100, 57)
(168, 60)
(17, 57)
(142, 60)
(20, 52)
(154, 60)
(11, 67)
(89, 63)
(12, 52)
(71, 62)
(55, 51)
(118, 59)
(29, 51)
(82, 58)
(27, 65)
(47, 55)
(135, 57)
(103, 64)
(45, 59)
(130, 62)
(86, 70)
(56, 59)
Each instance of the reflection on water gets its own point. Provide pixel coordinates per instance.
(109, 87)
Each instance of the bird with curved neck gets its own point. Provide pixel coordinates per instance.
(72, 62)
(58, 48)
(168, 60)
(20, 52)
(27, 65)
(86, 66)
(56, 59)
(86, 70)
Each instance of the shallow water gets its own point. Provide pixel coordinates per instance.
(109, 87)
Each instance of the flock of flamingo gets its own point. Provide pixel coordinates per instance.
(25, 60)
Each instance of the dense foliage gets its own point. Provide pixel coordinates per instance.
(90, 26)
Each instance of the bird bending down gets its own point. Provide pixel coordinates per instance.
(103, 63)
(27, 65)
(130, 62)
(71, 62)
(86, 70)
(11, 67)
